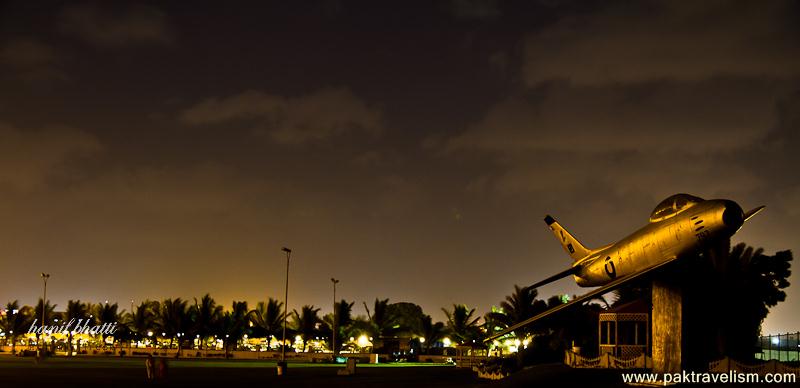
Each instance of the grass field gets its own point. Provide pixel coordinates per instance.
(130, 372)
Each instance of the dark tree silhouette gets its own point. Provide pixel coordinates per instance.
(205, 315)
(105, 313)
(432, 332)
(49, 313)
(16, 322)
(268, 319)
(382, 318)
(306, 322)
(519, 306)
(407, 318)
(727, 295)
(78, 311)
(234, 325)
(344, 320)
(174, 319)
(143, 318)
(461, 324)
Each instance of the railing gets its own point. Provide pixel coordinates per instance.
(607, 361)
(623, 351)
(772, 366)
(781, 347)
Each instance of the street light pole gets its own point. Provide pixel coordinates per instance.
(45, 276)
(285, 310)
(333, 339)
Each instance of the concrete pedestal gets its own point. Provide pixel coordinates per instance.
(667, 326)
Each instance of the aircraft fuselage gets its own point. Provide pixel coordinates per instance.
(682, 234)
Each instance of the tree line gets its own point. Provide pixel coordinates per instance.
(738, 286)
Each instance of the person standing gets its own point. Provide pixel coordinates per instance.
(149, 367)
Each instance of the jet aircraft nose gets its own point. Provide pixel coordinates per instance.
(733, 215)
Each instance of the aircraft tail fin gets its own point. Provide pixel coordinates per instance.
(571, 245)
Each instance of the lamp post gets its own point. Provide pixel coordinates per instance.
(333, 339)
(45, 276)
(282, 364)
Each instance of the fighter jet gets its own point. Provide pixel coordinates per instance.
(679, 226)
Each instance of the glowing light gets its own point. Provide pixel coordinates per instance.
(149, 333)
(422, 340)
(446, 341)
(776, 340)
(363, 341)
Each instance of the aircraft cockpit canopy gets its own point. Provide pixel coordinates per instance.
(673, 205)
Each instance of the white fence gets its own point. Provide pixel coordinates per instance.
(607, 361)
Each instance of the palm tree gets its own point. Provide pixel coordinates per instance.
(519, 306)
(174, 320)
(143, 318)
(343, 320)
(105, 313)
(268, 317)
(234, 324)
(382, 318)
(48, 312)
(15, 322)
(432, 332)
(461, 325)
(744, 283)
(306, 323)
(77, 312)
(205, 315)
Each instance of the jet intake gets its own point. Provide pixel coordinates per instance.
(733, 215)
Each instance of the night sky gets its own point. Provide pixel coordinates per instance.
(409, 149)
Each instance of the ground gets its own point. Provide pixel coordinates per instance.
(130, 372)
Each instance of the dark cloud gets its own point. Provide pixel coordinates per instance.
(475, 9)
(656, 116)
(291, 120)
(112, 25)
(30, 59)
(641, 41)
(29, 158)
(26, 52)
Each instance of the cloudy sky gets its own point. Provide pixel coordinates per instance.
(409, 149)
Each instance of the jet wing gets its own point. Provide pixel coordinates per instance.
(753, 212)
(555, 277)
(583, 298)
